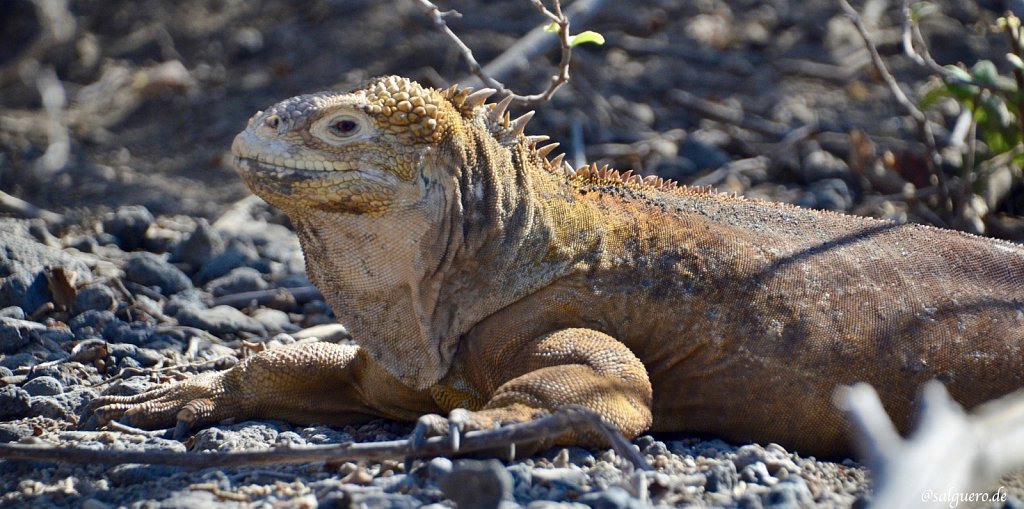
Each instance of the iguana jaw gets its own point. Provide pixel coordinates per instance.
(287, 178)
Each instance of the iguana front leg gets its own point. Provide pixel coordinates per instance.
(315, 383)
(569, 367)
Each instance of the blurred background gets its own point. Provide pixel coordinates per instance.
(108, 103)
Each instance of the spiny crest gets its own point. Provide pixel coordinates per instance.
(591, 174)
(508, 131)
(402, 105)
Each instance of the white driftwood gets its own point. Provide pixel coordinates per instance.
(950, 454)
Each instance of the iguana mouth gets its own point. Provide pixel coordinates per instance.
(267, 162)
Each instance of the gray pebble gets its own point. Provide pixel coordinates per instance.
(129, 225)
(12, 432)
(439, 466)
(17, 334)
(193, 297)
(48, 406)
(145, 356)
(722, 477)
(819, 164)
(91, 323)
(203, 245)
(790, 493)
(134, 473)
(238, 254)
(611, 498)
(18, 360)
(134, 333)
(239, 280)
(828, 194)
(490, 484)
(274, 320)
(220, 320)
(22, 261)
(250, 435)
(43, 386)
(148, 269)
(12, 312)
(96, 296)
(14, 402)
(757, 473)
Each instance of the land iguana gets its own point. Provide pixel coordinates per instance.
(483, 279)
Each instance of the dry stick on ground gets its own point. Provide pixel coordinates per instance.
(473, 441)
(533, 43)
(932, 159)
(949, 450)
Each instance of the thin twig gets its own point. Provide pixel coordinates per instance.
(22, 208)
(932, 159)
(473, 441)
(554, 15)
(275, 297)
(915, 47)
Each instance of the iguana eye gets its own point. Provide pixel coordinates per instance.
(343, 127)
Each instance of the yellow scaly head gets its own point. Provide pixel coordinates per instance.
(358, 152)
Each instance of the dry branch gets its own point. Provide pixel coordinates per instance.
(545, 428)
(932, 158)
(535, 42)
(950, 452)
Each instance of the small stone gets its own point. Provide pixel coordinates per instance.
(129, 225)
(91, 323)
(17, 334)
(144, 356)
(239, 280)
(220, 320)
(14, 402)
(11, 432)
(96, 296)
(43, 386)
(793, 492)
(12, 312)
(722, 477)
(47, 406)
(491, 484)
(193, 297)
(274, 320)
(439, 466)
(203, 245)
(238, 254)
(148, 269)
(611, 498)
(134, 333)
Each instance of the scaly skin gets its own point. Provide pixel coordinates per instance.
(477, 274)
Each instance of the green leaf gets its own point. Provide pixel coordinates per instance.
(553, 28)
(922, 9)
(985, 72)
(935, 92)
(588, 36)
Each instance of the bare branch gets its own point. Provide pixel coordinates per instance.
(541, 429)
(526, 48)
(950, 450)
(932, 158)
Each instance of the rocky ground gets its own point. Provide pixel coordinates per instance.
(115, 118)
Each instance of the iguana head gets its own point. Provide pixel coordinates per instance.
(379, 182)
(356, 152)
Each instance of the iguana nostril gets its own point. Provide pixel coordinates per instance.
(273, 121)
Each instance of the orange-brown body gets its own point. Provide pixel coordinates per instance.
(476, 273)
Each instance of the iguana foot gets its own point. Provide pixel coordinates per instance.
(460, 421)
(198, 401)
